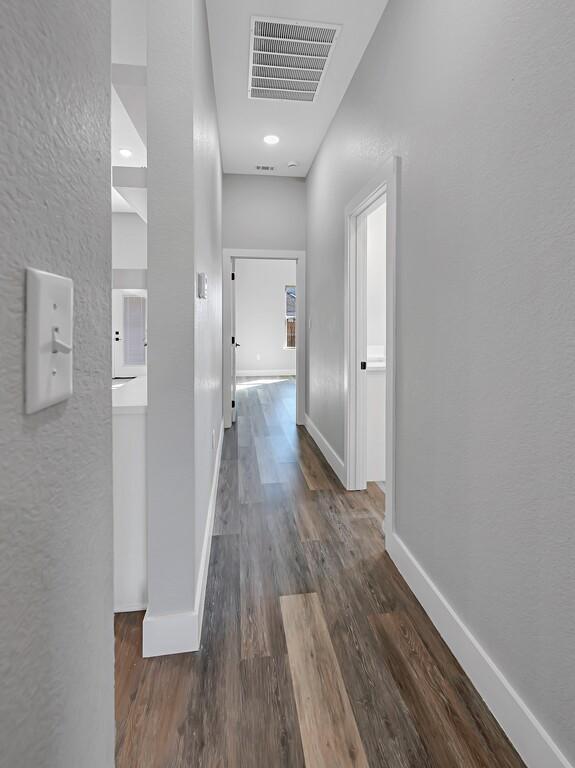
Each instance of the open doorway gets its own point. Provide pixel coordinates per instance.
(370, 336)
(264, 337)
(264, 318)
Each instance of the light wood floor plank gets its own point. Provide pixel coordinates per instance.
(328, 729)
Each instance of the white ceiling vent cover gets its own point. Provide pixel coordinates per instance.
(289, 59)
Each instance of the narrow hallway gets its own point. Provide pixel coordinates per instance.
(314, 650)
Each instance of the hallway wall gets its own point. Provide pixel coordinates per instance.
(129, 241)
(56, 613)
(264, 212)
(185, 332)
(208, 258)
(478, 100)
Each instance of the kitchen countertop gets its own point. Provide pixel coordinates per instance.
(131, 396)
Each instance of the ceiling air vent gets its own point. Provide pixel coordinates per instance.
(265, 167)
(289, 59)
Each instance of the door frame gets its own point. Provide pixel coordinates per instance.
(355, 460)
(229, 257)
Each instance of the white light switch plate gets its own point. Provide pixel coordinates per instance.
(49, 326)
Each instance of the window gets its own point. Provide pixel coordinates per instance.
(134, 330)
(290, 316)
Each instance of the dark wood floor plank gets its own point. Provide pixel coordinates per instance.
(442, 719)
(266, 460)
(289, 563)
(129, 668)
(210, 733)
(158, 709)
(485, 723)
(269, 730)
(329, 733)
(312, 467)
(227, 518)
(386, 726)
(261, 624)
(249, 480)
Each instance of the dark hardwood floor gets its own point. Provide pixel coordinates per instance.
(314, 650)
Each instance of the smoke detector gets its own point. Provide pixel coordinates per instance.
(289, 59)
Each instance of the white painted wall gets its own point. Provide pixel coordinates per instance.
(129, 278)
(478, 100)
(260, 316)
(129, 241)
(56, 632)
(129, 32)
(375, 294)
(264, 212)
(208, 259)
(185, 342)
(130, 529)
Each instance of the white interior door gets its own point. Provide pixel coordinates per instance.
(129, 332)
(361, 346)
(375, 310)
(234, 339)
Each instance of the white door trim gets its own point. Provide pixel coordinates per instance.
(229, 256)
(385, 182)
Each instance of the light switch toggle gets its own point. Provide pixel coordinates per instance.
(58, 345)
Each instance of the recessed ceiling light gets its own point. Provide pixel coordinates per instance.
(126, 152)
(271, 139)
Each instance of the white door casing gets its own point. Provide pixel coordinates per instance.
(383, 186)
(230, 256)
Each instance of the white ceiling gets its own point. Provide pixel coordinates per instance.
(119, 205)
(125, 136)
(300, 126)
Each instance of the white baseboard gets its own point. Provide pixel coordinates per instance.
(332, 458)
(129, 607)
(207, 544)
(169, 633)
(267, 372)
(526, 733)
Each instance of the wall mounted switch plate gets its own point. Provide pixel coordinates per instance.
(49, 326)
(202, 285)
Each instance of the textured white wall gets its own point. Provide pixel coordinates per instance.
(478, 99)
(129, 35)
(56, 633)
(185, 342)
(260, 314)
(264, 212)
(129, 241)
